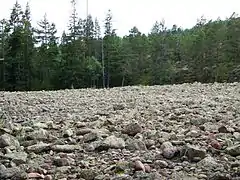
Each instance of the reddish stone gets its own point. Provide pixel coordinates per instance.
(215, 144)
(147, 168)
(35, 175)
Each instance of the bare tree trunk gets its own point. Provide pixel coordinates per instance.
(123, 80)
(103, 70)
(108, 79)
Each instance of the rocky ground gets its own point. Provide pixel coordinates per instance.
(189, 131)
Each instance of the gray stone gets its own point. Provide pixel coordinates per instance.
(193, 152)
(114, 142)
(236, 135)
(40, 134)
(198, 121)
(12, 173)
(223, 129)
(87, 174)
(118, 107)
(38, 148)
(17, 157)
(8, 140)
(234, 150)
(66, 148)
(90, 137)
(149, 143)
(168, 149)
(40, 125)
(122, 167)
(123, 177)
(83, 131)
(219, 176)
(210, 164)
(63, 169)
(169, 152)
(139, 175)
(166, 144)
(67, 133)
(135, 144)
(110, 142)
(95, 145)
(59, 162)
(161, 164)
(132, 129)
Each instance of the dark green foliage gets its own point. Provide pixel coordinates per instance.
(34, 59)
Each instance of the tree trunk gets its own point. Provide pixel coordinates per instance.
(123, 79)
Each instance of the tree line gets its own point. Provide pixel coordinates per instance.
(34, 58)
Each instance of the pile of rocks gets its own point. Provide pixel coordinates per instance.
(188, 131)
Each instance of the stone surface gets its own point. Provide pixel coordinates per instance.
(8, 140)
(17, 157)
(113, 142)
(139, 166)
(234, 150)
(194, 152)
(188, 131)
(11, 173)
(66, 148)
(61, 162)
(38, 148)
(132, 129)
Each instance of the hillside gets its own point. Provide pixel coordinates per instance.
(188, 131)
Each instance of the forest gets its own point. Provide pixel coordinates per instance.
(34, 58)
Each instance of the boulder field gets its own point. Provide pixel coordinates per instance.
(179, 132)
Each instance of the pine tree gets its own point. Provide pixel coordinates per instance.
(47, 59)
(89, 28)
(89, 35)
(14, 62)
(73, 50)
(46, 32)
(15, 18)
(28, 46)
(3, 37)
(74, 22)
(97, 29)
(109, 31)
(108, 40)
